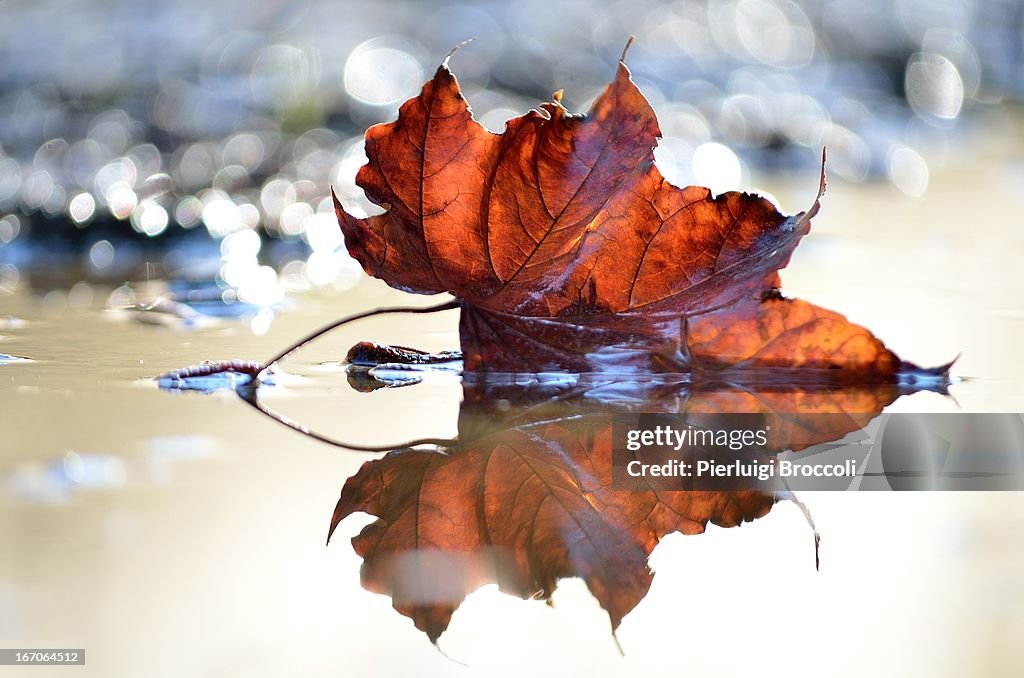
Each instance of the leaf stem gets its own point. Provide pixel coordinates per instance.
(448, 305)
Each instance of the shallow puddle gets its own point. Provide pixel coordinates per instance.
(177, 533)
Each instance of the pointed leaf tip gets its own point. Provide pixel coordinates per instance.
(629, 43)
(453, 50)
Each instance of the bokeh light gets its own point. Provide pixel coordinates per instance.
(101, 254)
(81, 208)
(380, 74)
(243, 126)
(716, 167)
(908, 170)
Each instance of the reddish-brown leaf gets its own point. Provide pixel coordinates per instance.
(570, 251)
(786, 333)
(562, 215)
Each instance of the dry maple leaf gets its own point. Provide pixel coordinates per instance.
(526, 498)
(568, 249)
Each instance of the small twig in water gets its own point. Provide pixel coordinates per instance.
(352, 318)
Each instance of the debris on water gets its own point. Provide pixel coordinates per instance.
(187, 305)
(168, 312)
(211, 376)
(368, 353)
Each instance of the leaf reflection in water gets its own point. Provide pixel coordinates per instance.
(524, 496)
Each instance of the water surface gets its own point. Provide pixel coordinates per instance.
(177, 534)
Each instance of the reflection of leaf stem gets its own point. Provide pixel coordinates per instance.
(250, 394)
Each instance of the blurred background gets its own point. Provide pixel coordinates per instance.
(164, 199)
(198, 140)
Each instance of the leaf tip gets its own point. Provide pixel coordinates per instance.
(803, 219)
(342, 216)
(618, 645)
(822, 182)
(925, 378)
(453, 50)
(336, 518)
(822, 185)
(629, 43)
